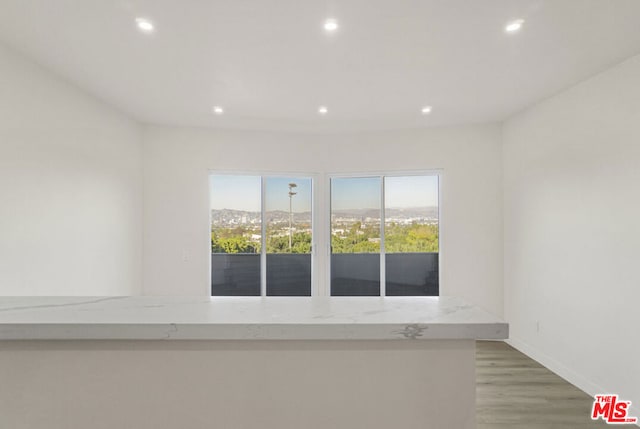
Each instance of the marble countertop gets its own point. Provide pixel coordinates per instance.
(245, 318)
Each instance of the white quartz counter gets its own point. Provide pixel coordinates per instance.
(246, 318)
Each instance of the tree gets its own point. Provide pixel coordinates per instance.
(399, 238)
(233, 244)
(300, 243)
(411, 238)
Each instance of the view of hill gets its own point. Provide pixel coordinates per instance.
(237, 217)
(401, 213)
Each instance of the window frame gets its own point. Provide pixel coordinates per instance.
(321, 224)
(263, 227)
(381, 175)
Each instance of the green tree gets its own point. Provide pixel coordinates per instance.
(358, 239)
(411, 238)
(398, 238)
(300, 243)
(223, 243)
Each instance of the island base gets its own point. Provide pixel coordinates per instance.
(249, 384)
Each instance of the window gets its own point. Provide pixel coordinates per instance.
(384, 236)
(355, 236)
(261, 231)
(379, 235)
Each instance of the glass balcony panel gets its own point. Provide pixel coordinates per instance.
(235, 274)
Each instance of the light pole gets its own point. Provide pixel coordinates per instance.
(291, 194)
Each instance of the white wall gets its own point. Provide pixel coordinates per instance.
(70, 188)
(572, 232)
(177, 160)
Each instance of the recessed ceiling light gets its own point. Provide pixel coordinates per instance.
(514, 26)
(144, 25)
(426, 110)
(323, 110)
(218, 110)
(331, 25)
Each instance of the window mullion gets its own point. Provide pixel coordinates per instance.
(383, 285)
(263, 240)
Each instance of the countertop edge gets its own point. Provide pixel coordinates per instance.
(247, 331)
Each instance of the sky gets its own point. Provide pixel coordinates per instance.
(355, 193)
(243, 192)
(411, 191)
(399, 192)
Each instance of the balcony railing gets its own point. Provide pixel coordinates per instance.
(352, 274)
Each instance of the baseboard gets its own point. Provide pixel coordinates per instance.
(566, 373)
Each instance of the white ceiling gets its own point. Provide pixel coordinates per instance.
(270, 64)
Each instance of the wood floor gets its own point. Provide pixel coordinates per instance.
(514, 391)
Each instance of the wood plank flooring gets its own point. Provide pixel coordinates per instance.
(514, 391)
